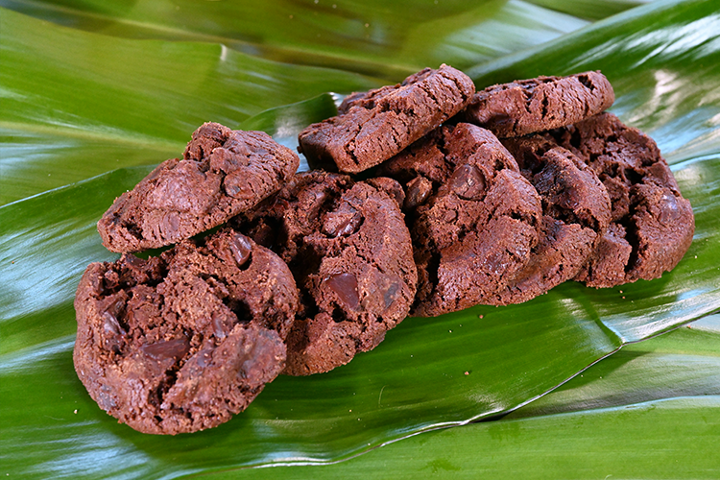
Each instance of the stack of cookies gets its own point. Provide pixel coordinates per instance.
(467, 198)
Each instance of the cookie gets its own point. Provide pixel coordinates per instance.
(350, 251)
(474, 218)
(652, 224)
(543, 103)
(222, 173)
(374, 126)
(181, 342)
(576, 215)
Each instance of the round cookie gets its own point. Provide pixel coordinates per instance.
(378, 124)
(538, 104)
(181, 342)
(576, 215)
(350, 251)
(223, 172)
(652, 224)
(474, 217)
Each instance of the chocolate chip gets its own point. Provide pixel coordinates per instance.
(112, 332)
(133, 261)
(418, 191)
(170, 224)
(241, 248)
(391, 294)
(114, 304)
(175, 348)
(343, 222)
(236, 187)
(669, 208)
(111, 325)
(220, 326)
(349, 226)
(204, 356)
(467, 182)
(346, 287)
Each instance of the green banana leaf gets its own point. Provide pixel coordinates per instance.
(126, 101)
(75, 105)
(652, 410)
(380, 38)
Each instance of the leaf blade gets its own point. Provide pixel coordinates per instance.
(588, 325)
(650, 411)
(66, 93)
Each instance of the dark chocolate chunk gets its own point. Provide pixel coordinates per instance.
(378, 124)
(418, 191)
(181, 342)
(241, 248)
(223, 172)
(537, 104)
(345, 287)
(467, 182)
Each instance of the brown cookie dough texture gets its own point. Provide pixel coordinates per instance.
(181, 342)
(576, 215)
(652, 224)
(350, 251)
(223, 172)
(538, 104)
(374, 126)
(475, 218)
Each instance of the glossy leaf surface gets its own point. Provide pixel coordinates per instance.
(652, 410)
(663, 60)
(76, 104)
(380, 38)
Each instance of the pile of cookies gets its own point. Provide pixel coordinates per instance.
(467, 198)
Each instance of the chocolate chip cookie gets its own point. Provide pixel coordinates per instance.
(222, 173)
(378, 124)
(543, 103)
(474, 218)
(181, 342)
(350, 251)
(576, 215)
(652, 224)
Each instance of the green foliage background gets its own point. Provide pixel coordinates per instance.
(93, 93)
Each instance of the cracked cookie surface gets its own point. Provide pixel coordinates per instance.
(576, 215)
(474, 218)
(181, 342)
(350, 251)
(652, 224)
(373, 126)
(222, 173)
(538, 104)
